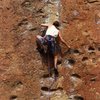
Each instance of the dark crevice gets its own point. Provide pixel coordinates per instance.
(76, 51)
(92, 53)
(46, 75)
(69, 51)
(93, 79)
(92, 1)
(59, 61)
(72, 51)
(71, 61)
(60, 88)
(45, 88)
(84, 58)
(33, 29)
(26, 3)
(91, 48)
(23, 22)
(13, 97)
(50, 90)
(78, 98)
(17, 83)
(76, 75)
(98, 48)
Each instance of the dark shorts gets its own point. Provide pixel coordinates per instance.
(40, 38)
(53, 46)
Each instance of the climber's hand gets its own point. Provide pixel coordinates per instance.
(67, 46)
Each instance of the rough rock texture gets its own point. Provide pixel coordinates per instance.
(19, 73)
(81, 29)
(21, 68)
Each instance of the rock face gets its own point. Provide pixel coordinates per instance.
(81, 28)
(21, 68)
(19, 73)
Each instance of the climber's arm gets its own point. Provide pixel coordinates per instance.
(45, 25)
(62, 40)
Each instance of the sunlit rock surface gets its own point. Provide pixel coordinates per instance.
(19, 73)
(81, 28)
(22, 71)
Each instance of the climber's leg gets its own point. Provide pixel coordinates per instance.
(39, 41)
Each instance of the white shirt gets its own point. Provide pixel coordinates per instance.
(53, 31)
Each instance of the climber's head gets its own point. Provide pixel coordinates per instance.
(56, 24)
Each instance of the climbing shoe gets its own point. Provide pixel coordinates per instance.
(56, 73)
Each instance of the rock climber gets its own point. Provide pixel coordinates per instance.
(53, 38)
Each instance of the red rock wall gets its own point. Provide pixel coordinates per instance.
(19, 24)
(81, 21)
(81, 27)
(20, 63)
